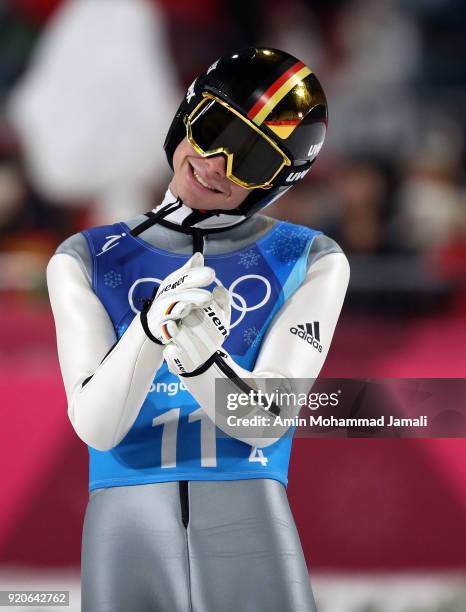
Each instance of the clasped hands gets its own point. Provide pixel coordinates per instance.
(190, 321)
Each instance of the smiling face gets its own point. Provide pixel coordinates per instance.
(201, 182)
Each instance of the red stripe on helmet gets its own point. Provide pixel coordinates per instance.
(265, 97)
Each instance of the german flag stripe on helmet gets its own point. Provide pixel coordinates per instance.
(277, 91)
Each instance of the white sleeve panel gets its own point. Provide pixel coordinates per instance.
(318, 300)
(284, 354)
(103, 411)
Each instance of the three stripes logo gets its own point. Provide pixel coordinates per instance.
(310, 332)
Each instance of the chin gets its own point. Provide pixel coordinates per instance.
(193, 200)
(190, 199)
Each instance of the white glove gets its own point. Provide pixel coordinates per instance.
(199, 334)
(176, 296)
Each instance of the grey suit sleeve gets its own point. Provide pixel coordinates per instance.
(321, 246)
(76, 246)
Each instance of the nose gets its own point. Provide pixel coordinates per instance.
(215, 166)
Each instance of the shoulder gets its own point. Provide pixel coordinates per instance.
(327, 259)
(76, 246)
(321, 245)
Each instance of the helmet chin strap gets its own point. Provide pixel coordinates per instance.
(185, 216)
(175, 215)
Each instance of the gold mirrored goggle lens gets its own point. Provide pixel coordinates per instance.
(253, 160)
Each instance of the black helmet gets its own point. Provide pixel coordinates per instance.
(281, 100)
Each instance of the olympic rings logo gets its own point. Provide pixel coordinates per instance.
(238, 302)
(155, 281)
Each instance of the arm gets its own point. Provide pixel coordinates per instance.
(282, 355)
(103, 409)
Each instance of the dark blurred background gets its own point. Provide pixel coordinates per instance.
(87, 91)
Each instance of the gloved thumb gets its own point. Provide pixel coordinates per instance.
(196, 261)
(223, 299)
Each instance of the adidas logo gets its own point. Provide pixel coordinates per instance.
(310, 332)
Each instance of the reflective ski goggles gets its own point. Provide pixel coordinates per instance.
(253, 159)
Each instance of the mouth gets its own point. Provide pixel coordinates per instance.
(202, 183)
